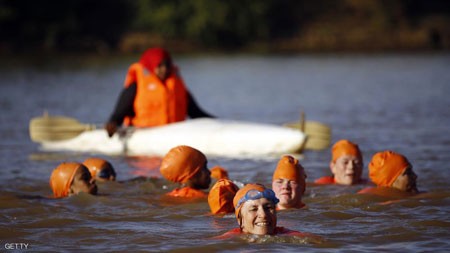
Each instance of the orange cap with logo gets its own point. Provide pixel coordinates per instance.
(241, 193)
(181, 163)
(345, 147)
(95, 165)
(62, 177)
(218, 172)
(220, 197)
(386, 166)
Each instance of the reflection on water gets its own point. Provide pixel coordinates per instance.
(394, 102)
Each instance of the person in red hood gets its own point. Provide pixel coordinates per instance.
(154, 94)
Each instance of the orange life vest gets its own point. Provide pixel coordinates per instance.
(156, 103)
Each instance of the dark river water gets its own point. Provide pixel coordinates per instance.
(394, 101)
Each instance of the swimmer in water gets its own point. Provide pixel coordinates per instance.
(218, 172)
(391, 170)
(188, 166)
(288, 183)
(71, 178)
(220, 197)
(255, 210)
(100, 169)
(346, 165)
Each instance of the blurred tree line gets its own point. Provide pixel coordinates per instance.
(102, 26)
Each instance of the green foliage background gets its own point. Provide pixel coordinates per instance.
(216, 25)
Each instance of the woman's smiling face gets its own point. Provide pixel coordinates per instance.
(258, 217)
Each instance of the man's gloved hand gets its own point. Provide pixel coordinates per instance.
(111, 128)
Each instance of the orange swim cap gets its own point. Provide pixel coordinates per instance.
(242, 192)
(288, 167)
(62, 177)
(386, 166)
(95, 165)
(220, 197)
(181, 163)
(345, 147)
(218, 172)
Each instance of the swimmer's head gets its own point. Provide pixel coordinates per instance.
(344, 147)
(390, 169)
(201, 179)
(218, 172)
(255, 209)
(346, 163)
(71, 178)
(100, 169)
(183, 163)
(288, 182)
(220, 197)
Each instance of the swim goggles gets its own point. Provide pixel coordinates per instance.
(255, 194)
